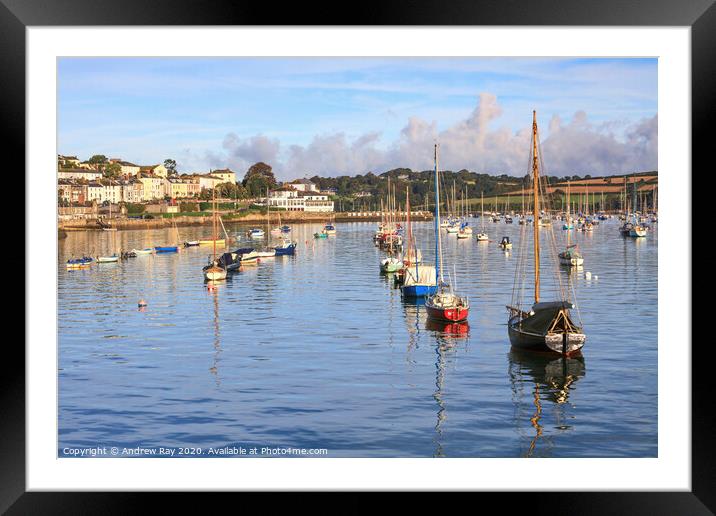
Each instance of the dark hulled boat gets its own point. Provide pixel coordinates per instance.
(547, 326)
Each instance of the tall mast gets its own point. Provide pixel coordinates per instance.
(213, 220)
(535, 181)
(438, 261)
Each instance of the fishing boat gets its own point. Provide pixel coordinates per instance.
(214, 271)
(547, 326)
(444, 304)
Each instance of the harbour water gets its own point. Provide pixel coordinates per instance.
(319, 351)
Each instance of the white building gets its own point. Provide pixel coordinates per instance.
(294, 200)
(95, 191)
(209, 182)
(226, 175)
(79, 173)
(303, 185)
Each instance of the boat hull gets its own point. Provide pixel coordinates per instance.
(107, 259)
(220, 241)
(170, 249)
(550, 343)
(215, 274)
(418, 290)
(286, 251)
(450, 314)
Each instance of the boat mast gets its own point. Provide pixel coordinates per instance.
(535, 181)
(438, 261)
(213, 220)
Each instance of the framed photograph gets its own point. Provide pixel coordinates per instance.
(416, 253)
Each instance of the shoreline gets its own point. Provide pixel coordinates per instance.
(123, 224)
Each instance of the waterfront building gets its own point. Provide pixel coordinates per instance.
(153, 187)
(208, 181)
(71, 191)
(132, 190)
(226, 175)
(95, 191)
(79, 173)
(290, 199)
(303, 185)
(178, 187)
(156, 170)
(127, 168)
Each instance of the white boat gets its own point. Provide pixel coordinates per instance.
(213, 271)
(482, 236)
(250, 257)
(256, 233)
(141, 252)
(108, 259)
(452, 229)
(266, 254)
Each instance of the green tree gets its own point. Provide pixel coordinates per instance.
(259, 177)
(98, 159)
(112, 170)
(171, 166)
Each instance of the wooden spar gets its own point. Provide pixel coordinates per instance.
(213, 220)
(438, 250)
(535, 180)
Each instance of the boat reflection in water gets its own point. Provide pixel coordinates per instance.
(213, 291)
(537, 378)
(449, 336)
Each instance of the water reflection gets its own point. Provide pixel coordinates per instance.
(534, 379)
(213, 291)
(448, 336)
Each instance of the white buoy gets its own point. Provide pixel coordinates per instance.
(588, 275)
(596, 277)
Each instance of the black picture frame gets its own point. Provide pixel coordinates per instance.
(700, 15)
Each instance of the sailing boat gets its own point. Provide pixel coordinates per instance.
(416, 280)
(482, 236)
(571, 255)
(568, 226)
(444, 305)
(170, 248)
(547, 326)
(213, 271)
(114, 257)
(465, 230)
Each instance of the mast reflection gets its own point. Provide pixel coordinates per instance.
(535, 379)
(448, 336)
(213, 290)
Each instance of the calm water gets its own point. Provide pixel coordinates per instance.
(319, 351)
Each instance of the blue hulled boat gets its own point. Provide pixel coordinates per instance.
(167, 249)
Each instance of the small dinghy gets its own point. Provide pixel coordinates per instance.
(256, 233)
(571, 256)
(191, 243)
(391, 265)
(329, 229)
(140, 252)
(505, 243)
(321, 234)
(108, 259)
(167, 249)
(79, 263)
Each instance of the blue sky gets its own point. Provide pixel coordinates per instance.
(351, 115)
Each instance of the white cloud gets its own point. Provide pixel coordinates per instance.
(475, 143)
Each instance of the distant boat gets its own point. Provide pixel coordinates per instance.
(287, 248)
(571, 256)
(444, 304)
(256, 233)
(191, 243)
(166, 249)
(505, 243)
(547, 326)
(214, 270)
(79, 263)
(321, 234)
(218, 241)
(330, 229)
(285, 229)
(108, 259)
(141, 252)
(482, 236)
(391, 264)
